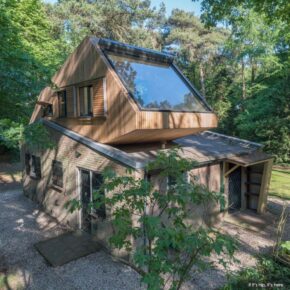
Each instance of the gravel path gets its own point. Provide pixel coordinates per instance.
(21, 226)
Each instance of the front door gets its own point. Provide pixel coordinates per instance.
(85, 194)
(235, 189)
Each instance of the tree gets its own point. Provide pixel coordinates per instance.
(128, 21)
(226, 10)
(154, 226)
(193, 42)
(258, 48)
(29, 56)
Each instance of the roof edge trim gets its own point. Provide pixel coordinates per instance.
(235, 139)
(133, 50)
(103, 149)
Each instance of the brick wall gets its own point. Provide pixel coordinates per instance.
(73, 156)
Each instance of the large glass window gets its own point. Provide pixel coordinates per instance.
(85, 97)
(156, 86)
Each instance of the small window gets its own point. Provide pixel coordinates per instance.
(85, 100)
(62, 103)
(57, 174)
(33, 166)
(48, 111)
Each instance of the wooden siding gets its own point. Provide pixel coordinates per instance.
(82, 65)
(175, 120)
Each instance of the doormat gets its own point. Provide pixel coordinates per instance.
(67, 247)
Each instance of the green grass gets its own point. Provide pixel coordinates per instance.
(280, 183)
(10, 281)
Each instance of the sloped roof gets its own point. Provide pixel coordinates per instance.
(204, 148)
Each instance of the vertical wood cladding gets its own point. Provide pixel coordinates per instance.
(98, 98)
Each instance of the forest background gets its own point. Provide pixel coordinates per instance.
(236, 53)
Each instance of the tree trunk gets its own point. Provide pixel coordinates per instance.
(201, 76)
(243, 80)
(254, 69)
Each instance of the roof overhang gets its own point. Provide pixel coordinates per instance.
(43, 104)
(250, 159)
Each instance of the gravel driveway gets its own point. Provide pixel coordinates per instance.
(21, 226)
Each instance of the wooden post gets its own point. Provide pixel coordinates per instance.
(231, 170)
(262, 203)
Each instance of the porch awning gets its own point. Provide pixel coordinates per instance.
(250, 159)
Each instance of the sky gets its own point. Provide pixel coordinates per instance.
(187, 5)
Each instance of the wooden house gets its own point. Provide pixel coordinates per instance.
(117, 105)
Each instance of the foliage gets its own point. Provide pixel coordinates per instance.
(28, 56)
(285, 247)
(36, 136)
(257, 93)
(227, 10)
(195, 45)
(157, 225)
(266, 271)
(10, 133)
(129, 21)
(241, 66)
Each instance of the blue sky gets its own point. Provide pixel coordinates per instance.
(186, 5)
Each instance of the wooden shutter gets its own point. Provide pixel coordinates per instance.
(70, 101)
(98, 98)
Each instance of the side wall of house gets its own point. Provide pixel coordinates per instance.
(73, 155)
(208, 176)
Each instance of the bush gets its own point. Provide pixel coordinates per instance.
(266, 271)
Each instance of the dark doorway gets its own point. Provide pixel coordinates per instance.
(235, 189)
(85, 199)
(90, 182)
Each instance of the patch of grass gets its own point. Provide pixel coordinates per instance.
(10, 281)
(280, 183)
(267, 271)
